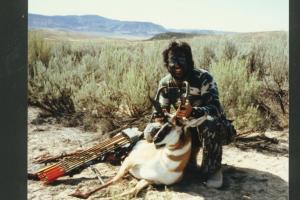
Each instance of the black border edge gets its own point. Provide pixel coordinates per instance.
(294, 128)
(13, 100)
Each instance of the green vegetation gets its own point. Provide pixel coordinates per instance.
(113, 78)
(174, 35)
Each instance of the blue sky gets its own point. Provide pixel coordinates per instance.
(226, 15)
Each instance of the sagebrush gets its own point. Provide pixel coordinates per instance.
(113, 78)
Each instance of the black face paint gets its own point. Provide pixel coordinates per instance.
(180, 61)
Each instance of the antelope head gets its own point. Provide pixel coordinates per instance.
(174, 129)
(168, 134)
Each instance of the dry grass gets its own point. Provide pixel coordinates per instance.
(109, 76)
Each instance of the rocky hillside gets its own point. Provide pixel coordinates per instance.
(95, 24)
(102, 26)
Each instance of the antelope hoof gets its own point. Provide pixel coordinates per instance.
(79, 195)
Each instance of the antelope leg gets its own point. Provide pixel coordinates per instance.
(139, 186)
(122, 171)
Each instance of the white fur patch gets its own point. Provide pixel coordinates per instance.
(154, 164)
(194, 122)
(170, 164)
(163, 101)
(195, 91)
(204, 88)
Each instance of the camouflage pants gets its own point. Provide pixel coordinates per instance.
(207, 136)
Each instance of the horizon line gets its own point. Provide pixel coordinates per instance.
(196, 29)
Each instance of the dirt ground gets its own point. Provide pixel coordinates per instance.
(248, 174)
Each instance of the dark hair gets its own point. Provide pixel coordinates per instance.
(177, 48)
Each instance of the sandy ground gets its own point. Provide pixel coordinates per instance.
(247, 174)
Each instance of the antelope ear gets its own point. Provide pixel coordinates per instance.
(170, 118)
(173, 120)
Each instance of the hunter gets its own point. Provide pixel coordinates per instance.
(203, 100)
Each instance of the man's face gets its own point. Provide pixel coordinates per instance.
(178, 64)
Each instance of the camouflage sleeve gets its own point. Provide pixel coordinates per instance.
(209, 96)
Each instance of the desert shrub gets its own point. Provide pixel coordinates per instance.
(38, 50)
(256, 61)
(238, 93)
(229, 50)
(49, 90)
(113, 78)
(275, 82)
(207, 57)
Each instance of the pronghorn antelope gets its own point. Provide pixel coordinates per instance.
(160, 162)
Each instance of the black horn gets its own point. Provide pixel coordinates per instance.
(158, 110)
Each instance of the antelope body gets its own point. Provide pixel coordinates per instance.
(153, 165)
(163, 165)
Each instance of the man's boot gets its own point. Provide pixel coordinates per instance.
(215, 180)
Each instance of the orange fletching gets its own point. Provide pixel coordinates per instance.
(51, 175)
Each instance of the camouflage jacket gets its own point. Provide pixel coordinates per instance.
(203, 94)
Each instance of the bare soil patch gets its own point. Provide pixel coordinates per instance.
(250, 172)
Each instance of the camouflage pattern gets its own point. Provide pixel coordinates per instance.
(204, 98)
(204, 95)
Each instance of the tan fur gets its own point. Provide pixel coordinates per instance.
(184, 158)
(151, 165)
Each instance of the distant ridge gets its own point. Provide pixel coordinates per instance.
(94, 24)
(174, 35)
(202, 31)
(98, 25)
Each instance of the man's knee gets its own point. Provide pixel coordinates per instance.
(209, 129)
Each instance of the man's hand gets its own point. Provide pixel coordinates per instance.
(184, 110)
